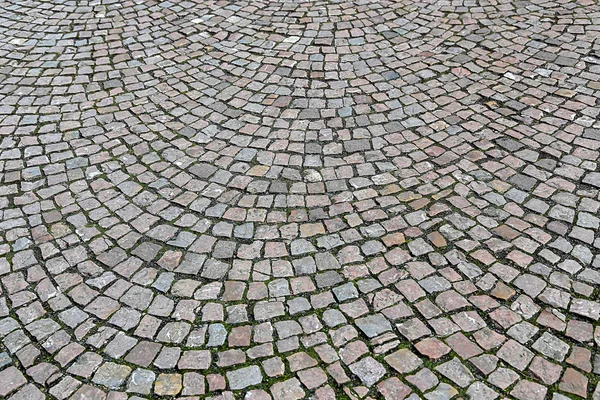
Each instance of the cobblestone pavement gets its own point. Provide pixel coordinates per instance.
(299, 199)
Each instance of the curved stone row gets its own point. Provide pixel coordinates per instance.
(333, 199)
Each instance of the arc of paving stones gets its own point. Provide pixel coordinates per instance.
(328, 199)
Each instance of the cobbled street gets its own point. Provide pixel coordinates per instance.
(294, 199)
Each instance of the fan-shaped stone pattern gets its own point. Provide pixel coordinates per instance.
(371, 199)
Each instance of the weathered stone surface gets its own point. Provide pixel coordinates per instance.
(244, 377)
(283, 200)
